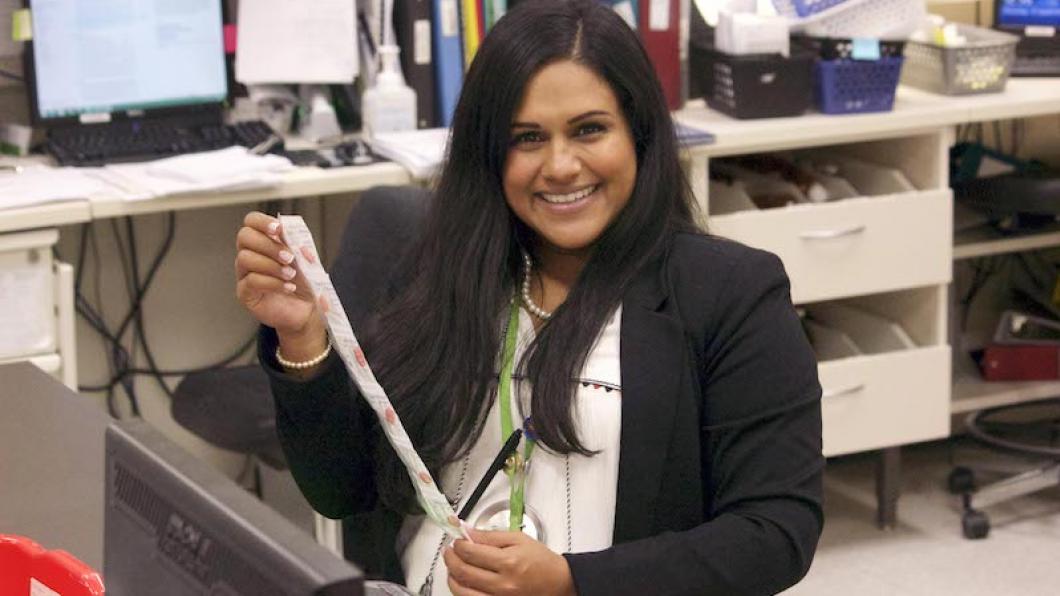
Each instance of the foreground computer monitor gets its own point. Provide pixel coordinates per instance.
(174, 526)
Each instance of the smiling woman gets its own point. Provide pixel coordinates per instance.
(667, 398)
(570, 170)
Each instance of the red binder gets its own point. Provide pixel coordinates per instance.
(1021, 362)
(658, 23)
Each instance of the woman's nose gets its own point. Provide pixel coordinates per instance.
(561, 163)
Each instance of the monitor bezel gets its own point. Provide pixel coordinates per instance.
(193, 111)
(215, 509)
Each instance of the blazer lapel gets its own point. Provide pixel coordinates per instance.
(652, 361)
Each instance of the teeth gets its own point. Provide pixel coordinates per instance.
(569, 198)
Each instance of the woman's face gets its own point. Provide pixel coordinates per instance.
(571, 162)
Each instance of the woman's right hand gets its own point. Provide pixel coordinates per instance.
(272, 290)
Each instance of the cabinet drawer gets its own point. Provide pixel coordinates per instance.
(854, 246)
(884, 400)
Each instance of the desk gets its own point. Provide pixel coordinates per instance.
(915, 111)
(51, 464)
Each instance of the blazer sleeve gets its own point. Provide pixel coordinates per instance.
(760, 453)
(327, 432)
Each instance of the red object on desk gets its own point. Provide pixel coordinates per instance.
(659, 28)
(1020, 363)
(24, 562)
(230, 36)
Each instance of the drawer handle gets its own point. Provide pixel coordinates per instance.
(829, 234)
(841, 392)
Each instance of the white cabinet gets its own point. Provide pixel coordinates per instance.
(852, 246)
(885, 253)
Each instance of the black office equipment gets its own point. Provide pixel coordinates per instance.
(135, 140)
(110, 84)
(1036, 22)
(173, 526)
(412, 26)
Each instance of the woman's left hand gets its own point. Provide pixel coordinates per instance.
(503, 563)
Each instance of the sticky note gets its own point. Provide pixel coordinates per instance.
(865, 49)
(21, 25)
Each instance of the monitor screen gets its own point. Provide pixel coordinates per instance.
(126, 55)
(174, 526)
(1021, 13)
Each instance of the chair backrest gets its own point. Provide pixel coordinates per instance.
(381, 225)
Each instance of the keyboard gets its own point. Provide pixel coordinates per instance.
(133, 141)
(1037, 65)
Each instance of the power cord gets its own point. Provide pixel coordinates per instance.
(121, 365)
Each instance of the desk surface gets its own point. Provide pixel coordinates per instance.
(51, 464)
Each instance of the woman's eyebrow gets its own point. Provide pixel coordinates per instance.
(588, 114)
(583, 116)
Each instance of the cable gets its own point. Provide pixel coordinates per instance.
(142, 291)
(121, 366)
(11, 76)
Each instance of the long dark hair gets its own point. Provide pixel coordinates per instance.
(440, 334)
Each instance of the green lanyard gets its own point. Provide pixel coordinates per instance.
(515, 467)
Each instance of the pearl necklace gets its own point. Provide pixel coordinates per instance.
(530, 305)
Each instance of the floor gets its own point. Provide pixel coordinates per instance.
(926, 553)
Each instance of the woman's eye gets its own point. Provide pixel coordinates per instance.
(528, 137)
(590, 128)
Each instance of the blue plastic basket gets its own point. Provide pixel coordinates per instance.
(853, 86)
(803, 8)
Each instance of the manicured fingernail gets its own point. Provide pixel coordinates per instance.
(286, 256)
(289, 288)
(274, 227)
(289, 273)
(275, 239)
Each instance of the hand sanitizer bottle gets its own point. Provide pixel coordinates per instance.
(390, 105)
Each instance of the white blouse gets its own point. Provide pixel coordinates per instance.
(592, 480)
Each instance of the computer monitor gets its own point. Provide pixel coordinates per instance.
(112, 59)
(174, 526)
(1026, 13)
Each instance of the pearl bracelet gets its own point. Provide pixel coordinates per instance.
(305, 363)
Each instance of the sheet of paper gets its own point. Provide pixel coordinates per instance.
(37, 185)
(420, 151)
(232, 169)
(297, 236)
(293, 41)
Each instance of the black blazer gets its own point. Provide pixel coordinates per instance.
(719, 480)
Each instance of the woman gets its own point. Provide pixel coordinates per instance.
(662, 373)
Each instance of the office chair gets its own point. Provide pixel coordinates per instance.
(1037, 437)
(233, 409)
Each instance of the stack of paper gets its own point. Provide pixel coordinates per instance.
(36, 185)
(233, 168)
(420, 151)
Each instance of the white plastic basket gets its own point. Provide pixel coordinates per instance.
(880, 19)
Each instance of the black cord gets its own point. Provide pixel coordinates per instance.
(142, 291)
(7, 74)
(122, 369)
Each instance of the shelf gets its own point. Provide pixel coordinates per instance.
(984, 241)
(915, 111)
(971, 392)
